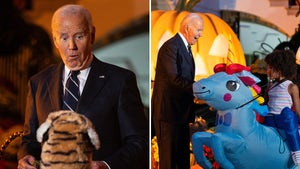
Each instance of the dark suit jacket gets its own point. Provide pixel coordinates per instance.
(172, 97)
(110, 99)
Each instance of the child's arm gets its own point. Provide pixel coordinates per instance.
(294, 92)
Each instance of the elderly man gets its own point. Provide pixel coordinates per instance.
(106, 94)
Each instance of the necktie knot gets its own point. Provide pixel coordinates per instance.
(75, 73)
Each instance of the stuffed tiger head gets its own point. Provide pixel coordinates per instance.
(70, 140)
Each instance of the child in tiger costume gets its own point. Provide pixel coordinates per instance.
(69, 142)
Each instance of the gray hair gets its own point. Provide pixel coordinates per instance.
(189, 19)
(72, 9)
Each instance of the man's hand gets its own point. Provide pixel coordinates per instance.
(27, 162)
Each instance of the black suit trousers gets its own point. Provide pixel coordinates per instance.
(174, 145)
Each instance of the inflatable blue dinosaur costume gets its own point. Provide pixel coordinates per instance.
(239, 141)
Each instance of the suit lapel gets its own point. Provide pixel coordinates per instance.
(186, 55)
(54, 87)
(95, 82)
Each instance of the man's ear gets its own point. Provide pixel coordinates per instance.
(187, 27)
(54, 40)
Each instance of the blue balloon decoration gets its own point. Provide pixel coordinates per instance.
(239, 141)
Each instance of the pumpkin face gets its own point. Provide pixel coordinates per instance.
(165, 24)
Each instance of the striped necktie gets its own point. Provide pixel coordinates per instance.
(72, 94)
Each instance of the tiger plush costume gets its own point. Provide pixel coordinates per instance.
(69, 141)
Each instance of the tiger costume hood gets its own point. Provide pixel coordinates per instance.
(68, 141)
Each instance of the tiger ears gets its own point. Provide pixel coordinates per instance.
(94, 138)
(88, 126)
(46, 125)
(42, 130)
(90, 131)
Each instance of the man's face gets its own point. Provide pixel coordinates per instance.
(194, 31)
(74, 40)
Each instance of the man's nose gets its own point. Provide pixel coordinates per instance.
(72, 44)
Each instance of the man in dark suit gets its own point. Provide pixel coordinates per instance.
(172, 98)
(109, 97)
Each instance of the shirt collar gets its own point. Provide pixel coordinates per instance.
(82, 75)
(183, 39)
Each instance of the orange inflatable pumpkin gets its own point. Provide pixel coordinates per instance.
(165, 24)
